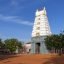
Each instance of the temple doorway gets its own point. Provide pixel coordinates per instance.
(37, 49)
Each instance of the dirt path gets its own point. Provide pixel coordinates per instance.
(34, 59)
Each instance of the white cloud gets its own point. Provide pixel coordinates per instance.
(15, 19)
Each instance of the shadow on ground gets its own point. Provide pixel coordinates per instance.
(3, 57)
(55, 60)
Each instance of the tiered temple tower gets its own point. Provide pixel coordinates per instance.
(41, 29)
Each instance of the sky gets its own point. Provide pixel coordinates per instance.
(17, 17)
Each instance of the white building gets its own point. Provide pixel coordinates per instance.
(28, 47)
(41, 29)
(41, 26)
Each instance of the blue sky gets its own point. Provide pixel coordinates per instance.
(17, 17)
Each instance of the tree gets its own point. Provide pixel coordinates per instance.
(2, 45)
(12, 44)
(19, 44)
(62, 40)
(55, 42)
(49, 42)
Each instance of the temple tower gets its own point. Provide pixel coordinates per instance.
(41, 29)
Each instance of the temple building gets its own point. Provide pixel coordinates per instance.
(41, 29)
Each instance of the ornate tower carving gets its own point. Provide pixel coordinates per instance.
(41, 26)
(41, 29)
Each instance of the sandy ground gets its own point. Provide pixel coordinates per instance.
(33, 59)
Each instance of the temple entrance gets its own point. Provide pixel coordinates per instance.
(37, 49)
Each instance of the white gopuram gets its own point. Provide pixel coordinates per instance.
(41, 26)
(41, 29)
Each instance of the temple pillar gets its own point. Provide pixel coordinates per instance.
(32, 47)
(43, 48)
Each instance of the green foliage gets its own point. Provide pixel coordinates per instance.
(2, 45)
(13, 44)
(55, 41)
(19, 44)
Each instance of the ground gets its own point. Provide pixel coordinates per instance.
(32, 59)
